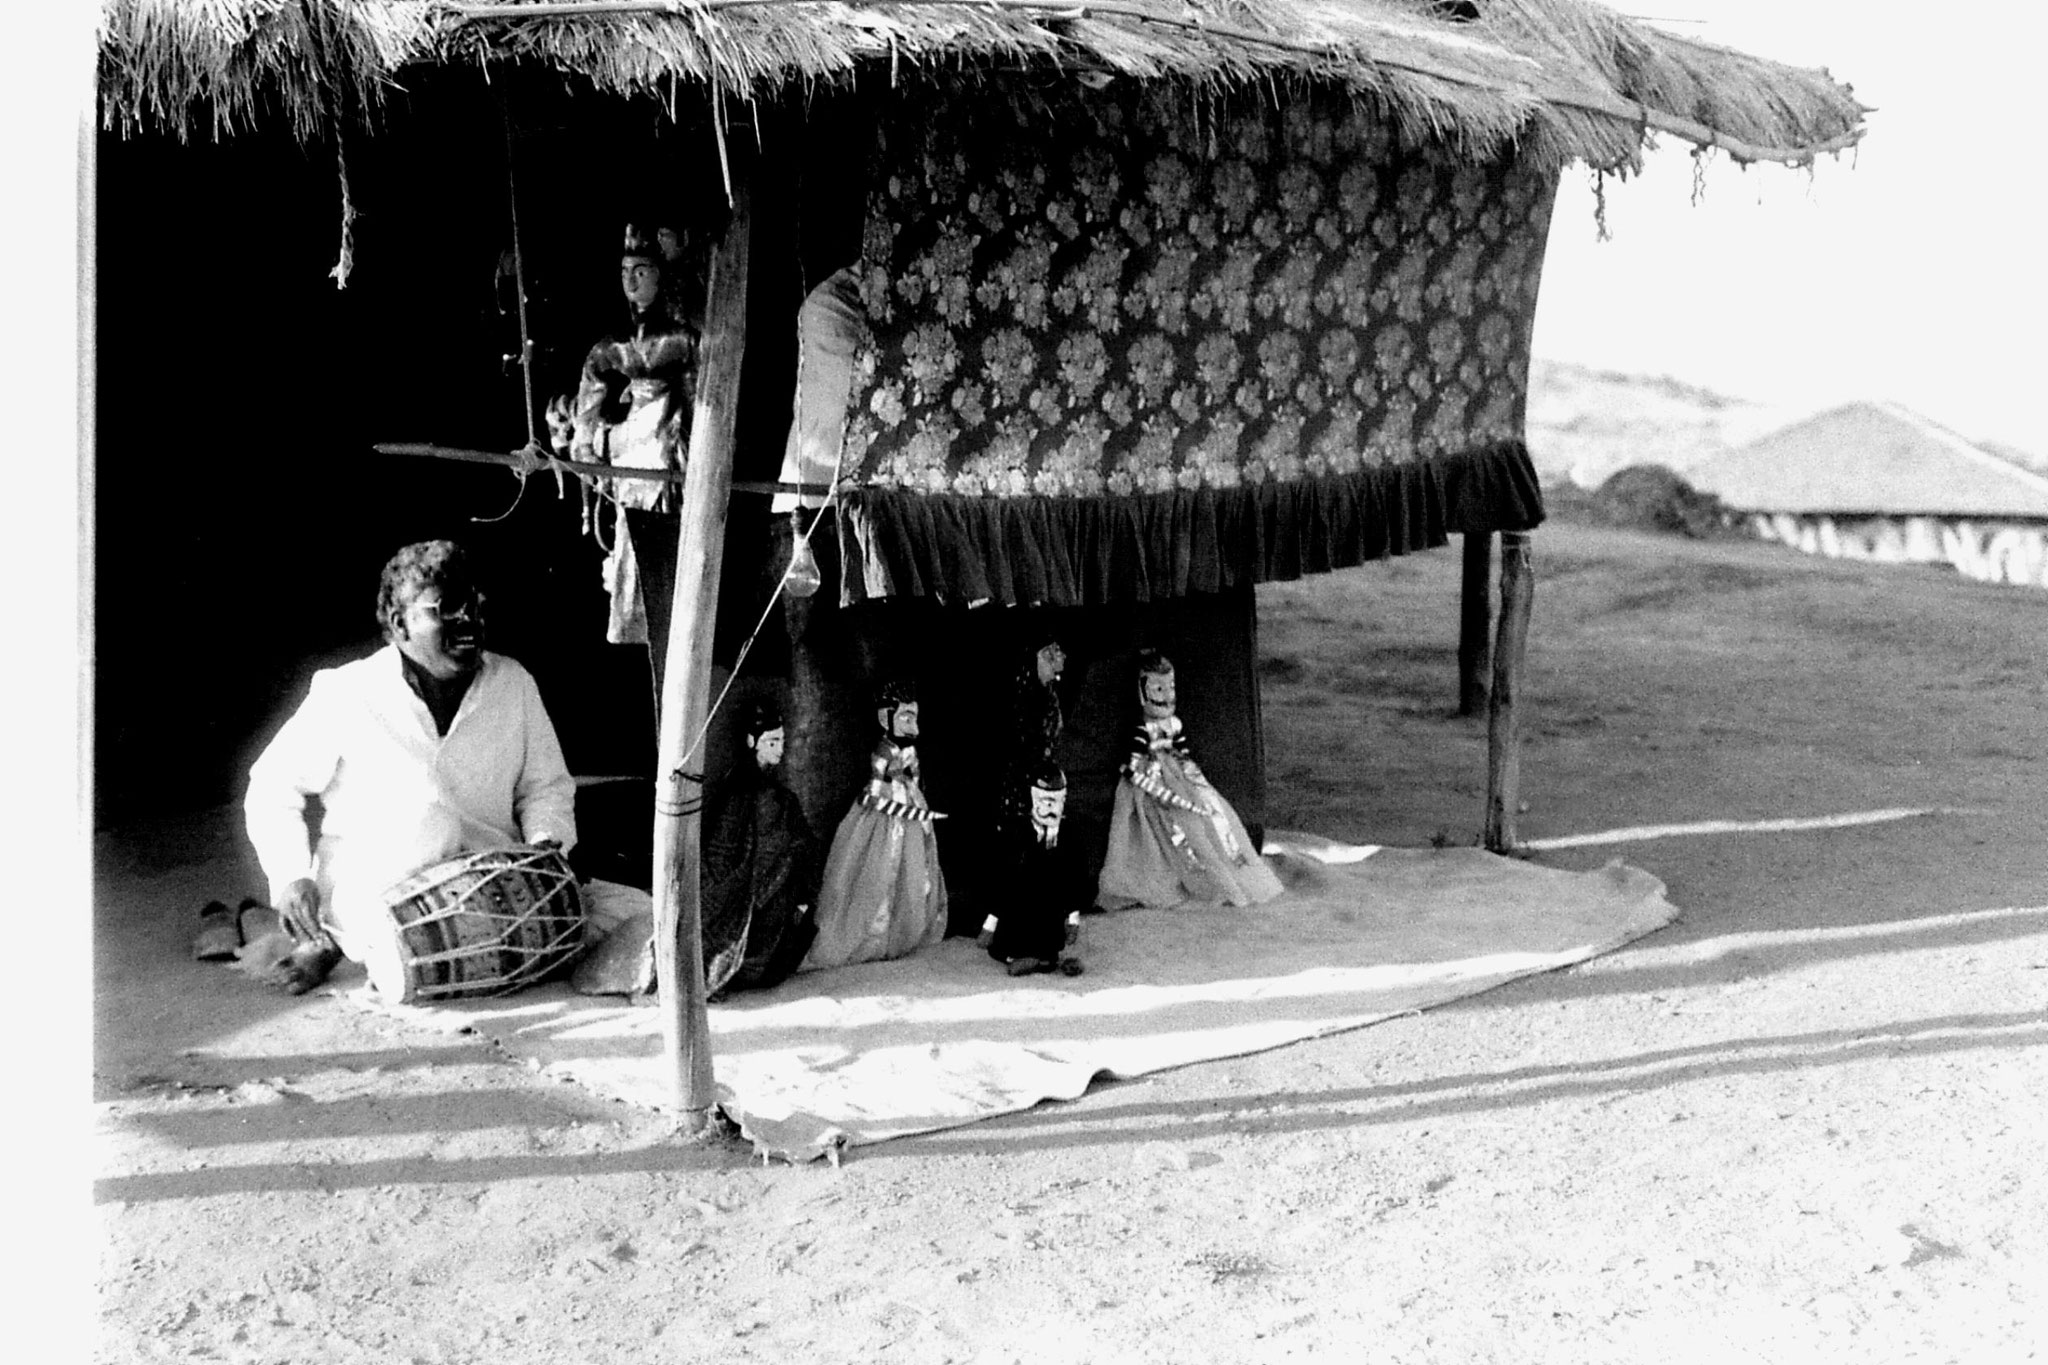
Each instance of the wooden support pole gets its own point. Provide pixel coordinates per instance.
(686, 680)
(1503, 742)
(1475, 623)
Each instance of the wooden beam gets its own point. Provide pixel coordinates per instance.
(1475, 623)
(686, 680)
(1503, 740)
(528, 463)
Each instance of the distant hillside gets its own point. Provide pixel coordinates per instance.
(1584, 424)
(2026, 459)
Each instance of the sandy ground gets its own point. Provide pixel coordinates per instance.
(1804, 1123)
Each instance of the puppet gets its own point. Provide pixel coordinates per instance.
(884, 894)
(632, 407)
(1172, 836)
(1037, 914)
(760, 868)
(1040, 919)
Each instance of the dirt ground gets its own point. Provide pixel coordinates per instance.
(1803, 1123)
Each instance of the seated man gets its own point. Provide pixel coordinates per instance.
(428, 748)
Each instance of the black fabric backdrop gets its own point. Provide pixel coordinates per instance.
(240, 513)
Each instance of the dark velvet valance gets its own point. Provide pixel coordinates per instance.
(1085, 551)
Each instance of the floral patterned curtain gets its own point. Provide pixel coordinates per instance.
(1121, 298)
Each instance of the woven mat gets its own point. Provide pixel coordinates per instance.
(944, 1038)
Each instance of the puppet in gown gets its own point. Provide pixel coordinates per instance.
(884, 895)
(632, 409)
(1037, 916)
(760, 869)
(1172, 836)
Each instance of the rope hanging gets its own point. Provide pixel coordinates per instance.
(800, 542)
(519, 291)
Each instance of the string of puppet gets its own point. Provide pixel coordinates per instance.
(532, 449)
(799, 546)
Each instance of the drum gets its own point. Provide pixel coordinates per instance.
(486, 923)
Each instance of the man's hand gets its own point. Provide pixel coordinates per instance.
(298, 909)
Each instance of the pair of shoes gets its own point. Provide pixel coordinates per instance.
(1027, 966)
(220, 934)
(223, 933)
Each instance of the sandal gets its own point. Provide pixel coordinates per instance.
(220, 934)
(252, 932)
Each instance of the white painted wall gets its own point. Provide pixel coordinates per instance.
(1989, 551)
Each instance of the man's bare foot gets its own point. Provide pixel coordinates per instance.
(308, 966)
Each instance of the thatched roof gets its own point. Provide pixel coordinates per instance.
(1876, 459)
(1565, 79)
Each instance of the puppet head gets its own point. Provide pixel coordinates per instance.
(765, 733)
(896, 710)
(642, 265)
(1049, 659)
(1155, 684)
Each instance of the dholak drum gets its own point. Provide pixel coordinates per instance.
(485, 923)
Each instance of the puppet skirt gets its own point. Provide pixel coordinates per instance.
(1161, 855)
(883, 895)
(626, 624)
(638, 442)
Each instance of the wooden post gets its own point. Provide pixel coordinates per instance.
(686, 679)
(1475, 623)
(1503, 743)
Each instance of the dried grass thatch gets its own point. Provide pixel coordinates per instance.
(1566, 79)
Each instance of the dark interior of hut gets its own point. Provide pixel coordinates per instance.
(243, 512)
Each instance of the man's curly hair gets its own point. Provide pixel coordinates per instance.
(429, 564)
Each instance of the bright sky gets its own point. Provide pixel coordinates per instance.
(1910, 269)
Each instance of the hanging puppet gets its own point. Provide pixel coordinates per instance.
(884, 894)
(1037, 915)
(1172, 836)
(632, 407)
(760, 867)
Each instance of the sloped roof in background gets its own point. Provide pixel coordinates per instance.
(1874, 458)
(1565, 78)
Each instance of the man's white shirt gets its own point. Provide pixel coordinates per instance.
(396, 795)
